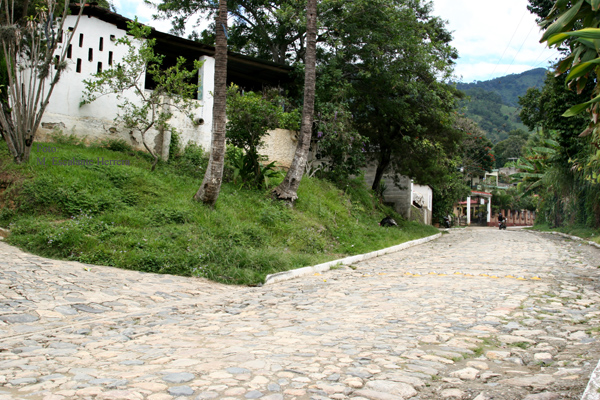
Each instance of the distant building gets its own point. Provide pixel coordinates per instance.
(93, 49)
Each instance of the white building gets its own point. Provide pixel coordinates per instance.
(93, 48)
(414, 202)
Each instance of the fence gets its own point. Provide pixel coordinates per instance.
(514, 218)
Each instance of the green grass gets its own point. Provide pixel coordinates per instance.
(581, 231)
(126, 216)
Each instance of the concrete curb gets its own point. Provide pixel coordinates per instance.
(591, 391)
(295, 273)
(576, 238)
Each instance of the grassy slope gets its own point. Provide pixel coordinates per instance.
(126, 216)
(580, 231)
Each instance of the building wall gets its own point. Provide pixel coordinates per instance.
(95, 121)
(401, 198)
(280, 146)
(92, 46)
(426, 194)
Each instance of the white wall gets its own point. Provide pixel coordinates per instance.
(426, 194)
(96, 120)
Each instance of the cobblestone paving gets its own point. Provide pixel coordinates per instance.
(477, 314)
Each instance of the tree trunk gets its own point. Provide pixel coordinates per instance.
(26, 95)
(211, 185)
(288, 189)
(382, 165)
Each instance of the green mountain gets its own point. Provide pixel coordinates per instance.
(494, 104)
(509, 87)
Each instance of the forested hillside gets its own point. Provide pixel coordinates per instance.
(494, 104)
(509, 87)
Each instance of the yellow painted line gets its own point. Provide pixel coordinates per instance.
(467, 275)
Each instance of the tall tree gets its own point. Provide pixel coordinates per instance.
(571, 181)
(288, 189)
(211, 185)
(33, 67)
(395, 55)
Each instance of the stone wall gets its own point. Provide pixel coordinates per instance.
(398, 197)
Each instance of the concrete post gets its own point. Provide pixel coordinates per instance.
(489, 211)
(411, 200)
(469, 210)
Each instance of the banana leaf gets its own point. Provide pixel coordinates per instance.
(582, 69)
(576, 109)
(562, 21)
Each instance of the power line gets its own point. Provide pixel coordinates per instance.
(518, 51)
(547, 58)
(539, 55)
(510, 41)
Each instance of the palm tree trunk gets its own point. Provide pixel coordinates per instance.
(288, 189)
(211, 185)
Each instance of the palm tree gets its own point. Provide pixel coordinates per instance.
(288, 189)
(211, 185)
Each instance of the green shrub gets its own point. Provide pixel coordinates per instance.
(174, 144)
(6, 216)
(119, 145)
(58, 136)
(191, 162)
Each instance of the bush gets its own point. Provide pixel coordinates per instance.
(192, 162)
(117, 145)
(58, 136)
(251, 116)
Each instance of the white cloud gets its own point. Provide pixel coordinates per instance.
(493, 38)
(144, 12)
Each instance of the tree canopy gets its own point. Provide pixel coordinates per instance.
(393, 56)
(266, 29)
(385, 65)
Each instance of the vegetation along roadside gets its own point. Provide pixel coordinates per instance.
(126, 216)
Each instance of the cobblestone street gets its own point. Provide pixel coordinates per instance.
(476, 314)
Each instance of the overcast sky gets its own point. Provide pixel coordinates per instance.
(493, 38)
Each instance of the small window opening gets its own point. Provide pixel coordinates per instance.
(71, 29)
(99, 67)
(110, 58)
(69, 51)
(59, 38)
(78, 68)
(81, 40)
(91, 55)
(101, 44)
(56, 61)
(112, 38)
